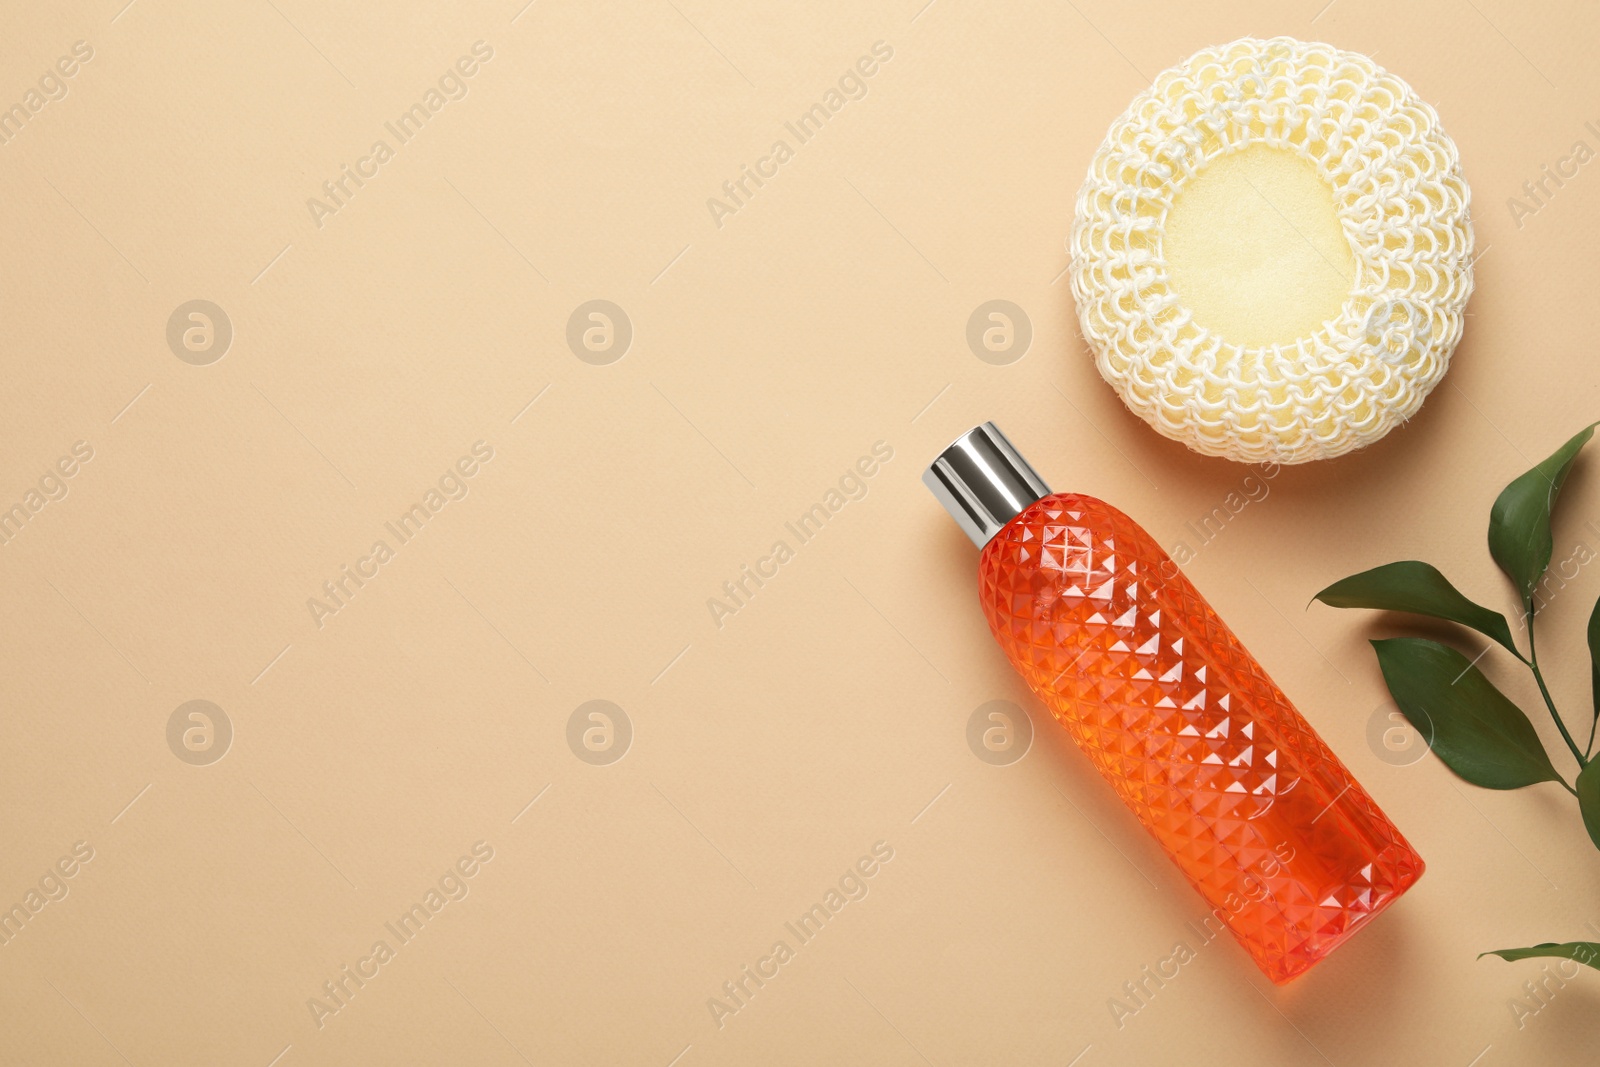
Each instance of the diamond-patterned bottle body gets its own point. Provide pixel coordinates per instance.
(1287, 849)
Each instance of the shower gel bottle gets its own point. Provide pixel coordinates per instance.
(1291, 855)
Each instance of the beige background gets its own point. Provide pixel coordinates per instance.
(768, 354)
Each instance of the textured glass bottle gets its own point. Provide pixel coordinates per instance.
(1289, 852)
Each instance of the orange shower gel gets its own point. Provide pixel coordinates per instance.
(1289, 852)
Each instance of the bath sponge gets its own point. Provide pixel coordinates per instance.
(1272, 253)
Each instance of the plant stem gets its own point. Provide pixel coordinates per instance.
(1544, 691)
(1592, 724)
(1567, 787)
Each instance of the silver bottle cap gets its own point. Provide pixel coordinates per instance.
(983, 482)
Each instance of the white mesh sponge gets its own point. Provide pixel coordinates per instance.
(1400, 200)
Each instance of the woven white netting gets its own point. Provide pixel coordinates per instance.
(1401, 202)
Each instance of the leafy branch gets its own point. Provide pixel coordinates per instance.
(1477, 731)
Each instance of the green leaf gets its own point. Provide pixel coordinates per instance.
(1519, 522)
(1589, 799)
(1594, 655)
(1480, 735)
(1420, 589)
(1584, 952)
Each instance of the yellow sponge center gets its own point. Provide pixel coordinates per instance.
(1254, 247)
